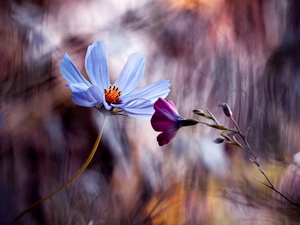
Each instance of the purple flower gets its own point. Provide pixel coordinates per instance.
(167, 119)
(99, 92)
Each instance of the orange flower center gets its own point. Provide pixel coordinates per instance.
(112, 95)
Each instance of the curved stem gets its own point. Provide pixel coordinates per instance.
(76, 175)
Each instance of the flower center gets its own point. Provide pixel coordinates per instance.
(112, 95)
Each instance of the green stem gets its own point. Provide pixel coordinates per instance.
(77, 174)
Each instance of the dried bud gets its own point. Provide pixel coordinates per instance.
(201, 113)
(219, 140)
(226, 109)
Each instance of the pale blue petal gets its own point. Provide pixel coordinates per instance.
(134, 103)
(78, 87)
(142, 108)
(79, 95)
(107, 106)
(96, 64)
(142, 113)
(97, 93)
(70, 72)
(151, 92)
(79, 99)
(131, 74)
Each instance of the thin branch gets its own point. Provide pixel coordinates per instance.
(262, 182)
(213, 117)
(255, 161)
(248, 148)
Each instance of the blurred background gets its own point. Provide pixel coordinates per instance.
(245, 53)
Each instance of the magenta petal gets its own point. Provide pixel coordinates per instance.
(161, 125)
(166, 136)
(165, 116)
(165, 105)
(173, 105)
(167, 119)
(163, 120)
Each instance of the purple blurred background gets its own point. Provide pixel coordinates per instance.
(245, 53)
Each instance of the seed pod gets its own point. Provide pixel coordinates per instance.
(219, 127)
(226, 109)
(219, 140)
(201, 113)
